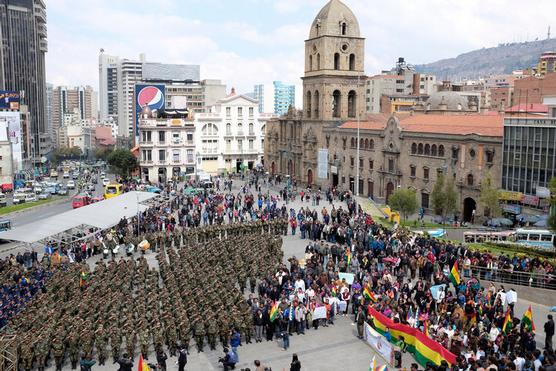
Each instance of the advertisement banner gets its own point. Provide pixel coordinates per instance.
(543, 192)
(512, 209)
(148, 95)
(12, 121)
(530, 200)
(9, 99)
(323, 164)
(379, 343)
(509, 196)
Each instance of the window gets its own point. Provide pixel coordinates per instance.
(472, 153)
(228, 145)
(240, 111)
(372, 144)
(352, 103)
(251, 144)
(434, 151)
(424, 200)
(336, 102)
(413, 170)
(190, 137)
(390, 165)
(176, 155)
(360, 163)
(240, 145)
(414, 148)
(351, 161)
(352, 62)
(308, 104)
(189, 156)
(251, 131)
(147, 155)
(352, 142)
(310, 63)
(420, 149)
(371, 164)
(343, 28)
(344, 140)
(365, 144)
(427, 149)
(161, 155)
(210, 130)
(161, 136)
(240, 129)
(317, 103)
(228, 129)
(251, 111)
(336, 61)
(489, 156)
(426, 173)
(470, 180)
(318, 61)
(441, 151)
(228, 111)
(146, 136)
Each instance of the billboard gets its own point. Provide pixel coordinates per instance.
(322, 164)
(12, 121)
(9, 99)
(148, 95)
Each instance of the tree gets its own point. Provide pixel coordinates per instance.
(404, 201)
(123, 161)
(438, 197)
(450, 198)
(489, 198)
(103, 153)
(552, 217)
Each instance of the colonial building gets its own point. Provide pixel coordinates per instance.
(332, 87)
(411, 150)
(230, 137)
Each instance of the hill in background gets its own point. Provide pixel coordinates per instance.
(502, 59)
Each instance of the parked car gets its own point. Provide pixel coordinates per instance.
(5, 225)
(19, 198)
(37, 189)
(3, 200)
(45, 196)
(97, 199)
(29, 197)
(54, 174)
(102, 175)
(71, 184)
(153, 189)
(63, 191)
(66, 175)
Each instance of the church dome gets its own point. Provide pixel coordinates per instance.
(335, 19)
(448, 101)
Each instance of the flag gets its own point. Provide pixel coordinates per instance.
(334, 291)
(506, 327)
(274, 312)
(426, 328)
(82, 279)
(143, 366)
(416, 323)
(373, 364)
(454, 275)
(348, 254)
(369, 294)
(381, 368)
(409, 315)
(527, 320)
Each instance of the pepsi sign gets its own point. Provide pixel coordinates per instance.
(152, 96)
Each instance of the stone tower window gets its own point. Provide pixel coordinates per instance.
(441, 151)
(318, 61)
(343, 28)
(336, 61)
(310, 63)
(352, 62)
(308, 103)
(317, 103)
(336, 101)
(470, 180)
(352, 103)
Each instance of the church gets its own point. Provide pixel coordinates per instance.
(404, 150)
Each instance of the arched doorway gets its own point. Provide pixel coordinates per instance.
(469, 205)
(290, 168)
(162, 175)
(309, 177)
(272, 168)
(389, 190)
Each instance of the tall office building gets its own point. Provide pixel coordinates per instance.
(276, 98)
(66, 100)
(131, 73)
(22, 63)
(108, 66)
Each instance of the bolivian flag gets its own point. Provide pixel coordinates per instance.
(454, 275)
(274, 312)
(527, 320)
(507, 326)
(82, 279)
(348, 257)
(143, 366)
(369, 294)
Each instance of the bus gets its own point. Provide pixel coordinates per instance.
(542, 238)
(488, 236)
(112, 190)
(5, 225)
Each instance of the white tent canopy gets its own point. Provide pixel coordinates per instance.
(100, 215)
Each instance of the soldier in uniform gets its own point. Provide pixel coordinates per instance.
(212, 330)
(58, 350)
(199, 334)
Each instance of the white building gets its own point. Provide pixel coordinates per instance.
(6, 157)
(166, 146)
(130, 74)
(231, 136)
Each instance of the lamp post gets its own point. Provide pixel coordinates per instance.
(358, 139)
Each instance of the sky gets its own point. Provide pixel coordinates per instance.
(246, 42)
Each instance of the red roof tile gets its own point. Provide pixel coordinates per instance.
(528, 108)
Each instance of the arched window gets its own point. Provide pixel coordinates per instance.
(209, 130)
(433, 150)
(336, 61)
(420, 149)
(352, 62)
(366, 144)
(361, 143)
(441, 151)
(343, 28)
(427, 149)
(317, 104)
(352, 103)
(470, 180)
(251, 131)
(310, 63)
(263, 128)
(308, 103)
(318, 61)
(228, 129)
(240, 129)
(352, 142)
(336, 103)
(372, 144)
(414, 148)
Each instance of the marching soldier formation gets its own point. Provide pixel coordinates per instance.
(125, 307)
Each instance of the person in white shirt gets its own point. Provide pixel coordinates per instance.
(299, 284)
(519, 362)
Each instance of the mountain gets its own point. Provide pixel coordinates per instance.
(504, 58)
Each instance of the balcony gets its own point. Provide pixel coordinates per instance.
(146, 144)
(176, 142)
(251, 134)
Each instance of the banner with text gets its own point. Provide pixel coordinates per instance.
(323, 163)
(379, 343)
